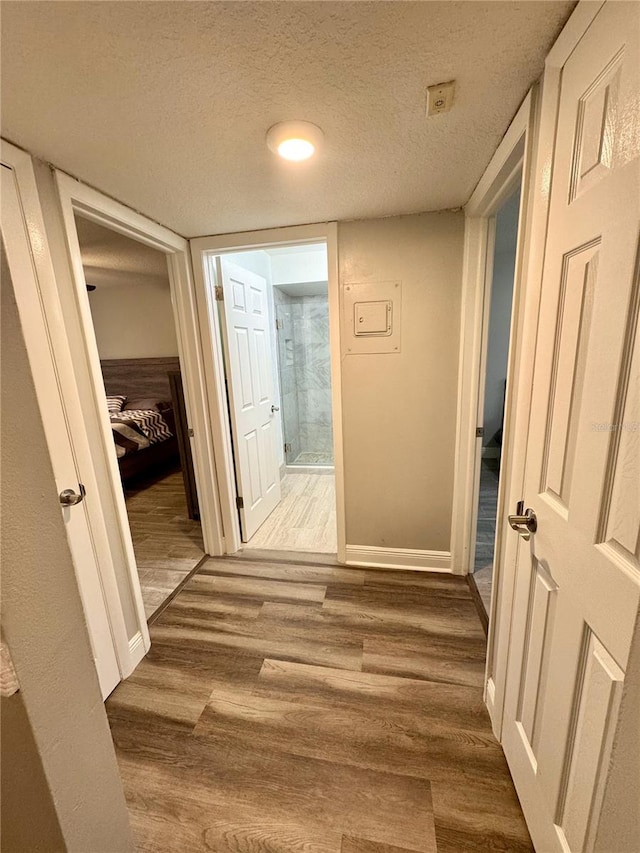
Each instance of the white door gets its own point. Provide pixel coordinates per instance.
(80, 535)
(578, 585)
(248, 350)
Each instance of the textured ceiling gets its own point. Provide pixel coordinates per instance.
(110, 258)
(165, 105)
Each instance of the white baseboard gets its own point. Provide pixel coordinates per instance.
(136, 649)
(398, 558)
(309, 469)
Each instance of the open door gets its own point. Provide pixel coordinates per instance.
(86, 540)
(578, 584)
(248, 352)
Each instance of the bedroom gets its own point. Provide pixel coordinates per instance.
(135, 334)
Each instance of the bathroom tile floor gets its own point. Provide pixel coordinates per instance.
(305, 518)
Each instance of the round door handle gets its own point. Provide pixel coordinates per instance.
(70, 498)
(275, 409)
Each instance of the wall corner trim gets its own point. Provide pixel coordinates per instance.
(399, 558)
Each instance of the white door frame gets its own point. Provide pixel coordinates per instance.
(41, 316)
(204, 250)
(534, 208)
(75, 197)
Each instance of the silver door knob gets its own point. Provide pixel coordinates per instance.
(70, 498)
(275, 409)
(523, 521)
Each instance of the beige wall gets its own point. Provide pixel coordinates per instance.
(399, 410)
(619, 830)
(28, 819)
(131, 305)
(56, 730)
(134, 320)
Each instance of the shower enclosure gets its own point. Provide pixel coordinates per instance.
(305, 377)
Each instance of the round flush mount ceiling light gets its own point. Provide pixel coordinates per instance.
(294, 140)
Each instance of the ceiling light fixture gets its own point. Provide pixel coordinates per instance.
(294, 140)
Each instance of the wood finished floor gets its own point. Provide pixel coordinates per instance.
(289, 707)
(305, 518)
(167, 543)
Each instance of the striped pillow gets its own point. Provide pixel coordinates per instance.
(115, 404)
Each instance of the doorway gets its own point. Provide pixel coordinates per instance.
(497, 325)
(129, 296)
(292, 498)
(274, 315)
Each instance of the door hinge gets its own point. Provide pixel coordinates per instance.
(279, 324)
(190, 432)
(240, 502)
(219, 293)
(287, 448)
(479, 432)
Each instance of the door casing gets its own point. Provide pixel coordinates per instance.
(204, 252)
(77, 198)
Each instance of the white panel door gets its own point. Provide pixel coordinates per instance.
(248, 355)
(578, 587)
(17, 248)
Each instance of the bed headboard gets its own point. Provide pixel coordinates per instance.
(139, 377)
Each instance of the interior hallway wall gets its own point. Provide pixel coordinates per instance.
(131, 305)
(61, 788)
(399, 410)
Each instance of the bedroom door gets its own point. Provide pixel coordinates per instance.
(578, 584)
(247, 343)
(46, 367)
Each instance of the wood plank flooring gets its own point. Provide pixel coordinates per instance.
(305, 518)
(167, 543)
(288, 707)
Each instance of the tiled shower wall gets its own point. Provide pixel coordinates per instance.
(287, 367)
(305, 372)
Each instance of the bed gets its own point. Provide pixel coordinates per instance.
(142, 413)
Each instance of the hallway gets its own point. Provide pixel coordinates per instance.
(312, 707)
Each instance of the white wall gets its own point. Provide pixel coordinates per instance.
(399, 410)
(134, 320)
(131, 306)
(293, 265)
(500, 316)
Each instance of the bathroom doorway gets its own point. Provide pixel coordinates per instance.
(273, 307)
